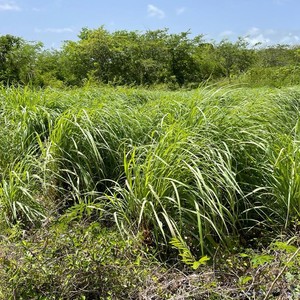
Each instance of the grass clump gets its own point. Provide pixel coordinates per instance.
(190, 174)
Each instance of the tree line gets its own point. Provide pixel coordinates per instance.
(145, 58)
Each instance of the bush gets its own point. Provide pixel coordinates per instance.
(272, 76)
(71, 262)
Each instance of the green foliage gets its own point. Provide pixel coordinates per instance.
(186, 255)
(272, 76)
(78, 262)
(235, 57)
(17, 60)
(18, 196)
(187, 174)
(150, 58)
(207, 167)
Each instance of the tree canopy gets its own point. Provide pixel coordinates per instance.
(141, 58)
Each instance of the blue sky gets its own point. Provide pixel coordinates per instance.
(52, 22)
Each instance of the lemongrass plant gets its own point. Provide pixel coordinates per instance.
(203, 166)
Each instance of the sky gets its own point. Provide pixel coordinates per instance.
(53, 22)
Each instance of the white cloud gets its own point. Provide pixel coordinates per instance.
(271, 36)
(154, 11)
(270, 31)
(253, 31)
(180, 11)
(9, 6)
(290, 39)
(258, 39)
(256, 36)
(226, 33)
(265, 37)
(54, 30)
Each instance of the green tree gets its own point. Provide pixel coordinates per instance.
(17, 59)
(276, 56)
(234, 58)
(49, 69)
(207, 62)
(8, 44)
(183, 64)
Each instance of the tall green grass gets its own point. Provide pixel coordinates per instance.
(204, 167)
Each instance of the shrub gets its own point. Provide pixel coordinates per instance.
(75, 261)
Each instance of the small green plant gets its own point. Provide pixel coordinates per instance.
(186, 255)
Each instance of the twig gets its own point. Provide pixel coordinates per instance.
(280, 273)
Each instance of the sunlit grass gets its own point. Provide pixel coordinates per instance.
(203, 166)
